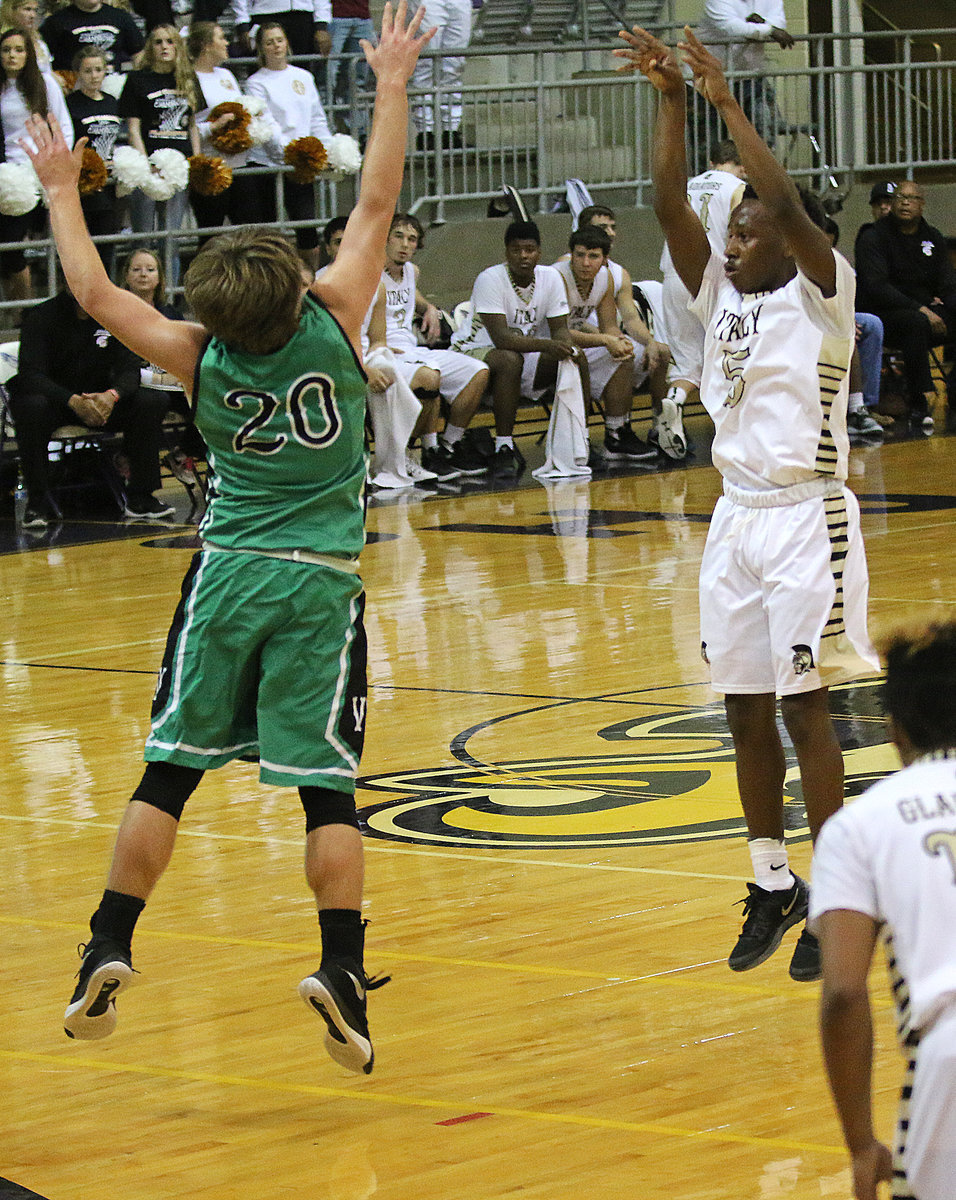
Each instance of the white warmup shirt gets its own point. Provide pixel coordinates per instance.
(293, 104)
(526, 310)
(217, 86)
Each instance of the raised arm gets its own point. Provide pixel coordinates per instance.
(350, 282)
(777, 191)
(686, 238)
(172, 345)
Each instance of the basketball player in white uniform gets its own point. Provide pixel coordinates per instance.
(615, 367)
(713, 196)
(518, 326)
(431, 374)
(783, 582)
(885, 867)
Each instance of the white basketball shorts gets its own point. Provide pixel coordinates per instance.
(783, 596)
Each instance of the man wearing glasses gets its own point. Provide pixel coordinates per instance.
(905, 276)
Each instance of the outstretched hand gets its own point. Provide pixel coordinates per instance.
(708, 73)
(56, 165)
(652, 58)
(398, 47)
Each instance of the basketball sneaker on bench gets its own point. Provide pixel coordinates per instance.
(767, 917)
(337, 994)
(105, 971)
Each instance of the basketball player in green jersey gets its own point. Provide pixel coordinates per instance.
(266, 653)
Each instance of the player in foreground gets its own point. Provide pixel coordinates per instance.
(266, 653)
(783, 581)
(886, 867)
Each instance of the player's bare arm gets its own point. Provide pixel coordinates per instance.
(379, 378)
(685, 235)
(172, 345)
(847, 940)
(658, 354)
(350, 282)
(770, 181)
(618, 346)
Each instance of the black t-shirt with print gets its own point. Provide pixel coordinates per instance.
(163, 112)
(109, 29)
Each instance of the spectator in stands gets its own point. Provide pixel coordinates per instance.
(433, 375)
(306, 23)
(91, 23)
(610, 364)
(906, 278)
(24, 90)
(208, 49)
(25, 16)
(293, 104)
(159, 99)
(518, 327)
(351, 21)
(656, 353)
(866, 367)
(713, 195)
(142, 274)
(453, 21)
(72, 372)
(95, 116)
(737, 32)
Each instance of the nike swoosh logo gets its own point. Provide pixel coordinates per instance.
(778, 868)
(790, 907)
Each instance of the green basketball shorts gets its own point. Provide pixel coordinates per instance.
(265, 659)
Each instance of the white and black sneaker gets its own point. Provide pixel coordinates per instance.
(417, 472)
(337, 994)
(105, 971)
(669, 429)
(623, 445)
(861, 426)
(148, 508)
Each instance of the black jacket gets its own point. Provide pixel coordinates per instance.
(902, 270)
(63, 354)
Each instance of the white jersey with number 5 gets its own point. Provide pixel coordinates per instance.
(775, 377)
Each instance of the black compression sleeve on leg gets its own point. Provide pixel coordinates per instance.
(323, 806)
(167, 786)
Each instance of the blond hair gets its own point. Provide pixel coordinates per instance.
(246, 288)
(183, 73)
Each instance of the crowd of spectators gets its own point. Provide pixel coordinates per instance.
(155, 86)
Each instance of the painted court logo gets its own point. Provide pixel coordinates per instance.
(662, 779)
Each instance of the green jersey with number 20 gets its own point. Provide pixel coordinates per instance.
(285, 433)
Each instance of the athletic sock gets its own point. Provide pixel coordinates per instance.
(615, 423)
(116, 917)
(504, 441)
(855, 403)
(429, 441)
(343, 935)
(453, 434)
(771, 866)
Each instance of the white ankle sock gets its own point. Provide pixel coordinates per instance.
(453, 434)
(429, 441)
(855, 403)
(504, 441)
(771, 867)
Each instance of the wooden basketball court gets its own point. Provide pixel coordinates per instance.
(554, 853)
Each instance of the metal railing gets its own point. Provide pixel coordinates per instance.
(545, 114)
